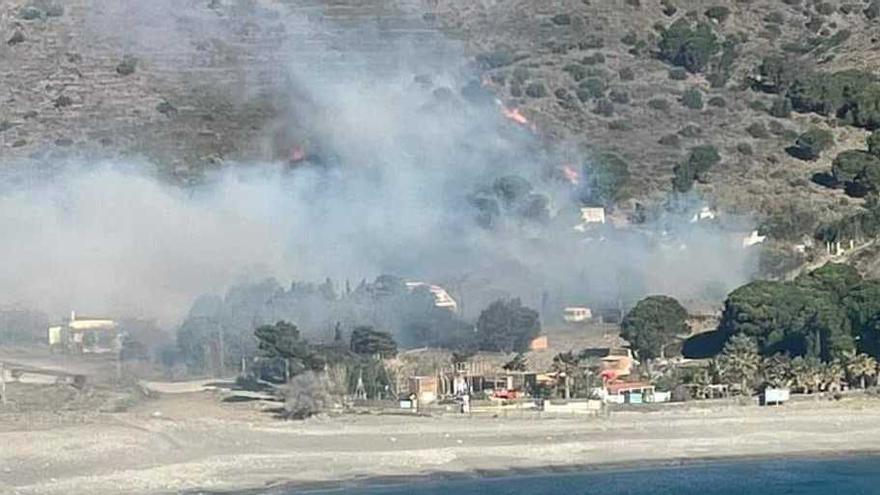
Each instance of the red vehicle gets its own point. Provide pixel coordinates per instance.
(506, 394)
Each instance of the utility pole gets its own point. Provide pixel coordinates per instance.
(2, 384)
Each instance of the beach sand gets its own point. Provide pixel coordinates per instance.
(193, 442)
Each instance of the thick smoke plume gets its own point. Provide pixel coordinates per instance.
(398, 137)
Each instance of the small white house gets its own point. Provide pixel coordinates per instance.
(577, 314)
(752, 239)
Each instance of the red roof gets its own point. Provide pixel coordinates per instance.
(618, 387)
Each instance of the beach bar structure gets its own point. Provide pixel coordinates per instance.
(628, 392)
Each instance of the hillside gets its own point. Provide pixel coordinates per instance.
(191, 87)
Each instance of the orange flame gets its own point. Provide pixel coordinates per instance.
(513, 114)
(570, 174)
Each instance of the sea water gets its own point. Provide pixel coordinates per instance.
(837, 476)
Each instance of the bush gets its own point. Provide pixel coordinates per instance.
(561, 19)
(591, 42)
(825, 8)
(873, 143)
(495, 59)
(688, 46)
(594, 59)
(744, 149)
(678, 74)
(521, 74)
(757, 130)
(594, 86)
(700, 160)
(781, 108)
(629, 39)
(127, 66)
(811, 144)
(536, 90)
(858, 171)
(659, 104)
(619, 96)
(693, 99)
(873, 10)
(604, 107)
(718, 102)
(670, 140)
(669, 9)
(719, 14)
(306, 395)
(775, 17)
(576, 71)
(690, 131)
(627, 74)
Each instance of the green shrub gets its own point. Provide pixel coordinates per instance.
(744, 149)
(594, 87)
(561, 19)
(717, 101)
(619, 96)
(127, 66)
(604, 107)
(775, 17)
(859, 171)
(627, 74)
(594, 59)
(811, 144)
(591, 42)
(670, 140)
(690, 131)
(757, 130)
(873, 10)
(688, 46)
(576, 71)
(719, 14)
(659, 104)
(781, 108)
(873, 143)
(521, 74)
(698, 164)
(678, 74)
(825, 8)
(693, 99)
(629, 39)
(536, 90)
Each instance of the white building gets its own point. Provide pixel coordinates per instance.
(442, 299)
(752, 239)
(577, 314)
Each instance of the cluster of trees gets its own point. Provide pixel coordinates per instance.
(822, 315)
(852, 96)
(857, 171)
(510, 196)
(826, 319)
(700, 160)
(604, 180)
(219, 333)
(743, 369)
(221, 329)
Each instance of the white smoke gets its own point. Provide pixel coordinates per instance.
(393, 163)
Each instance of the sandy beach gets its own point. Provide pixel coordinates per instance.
(192, 442)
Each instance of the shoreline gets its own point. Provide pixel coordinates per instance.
(439, 477)
(195, 443)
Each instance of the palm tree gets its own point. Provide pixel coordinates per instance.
(566, 364)
(806, 374)
(740, 359)
(859, 367)
(776, 370)
(832, 373)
